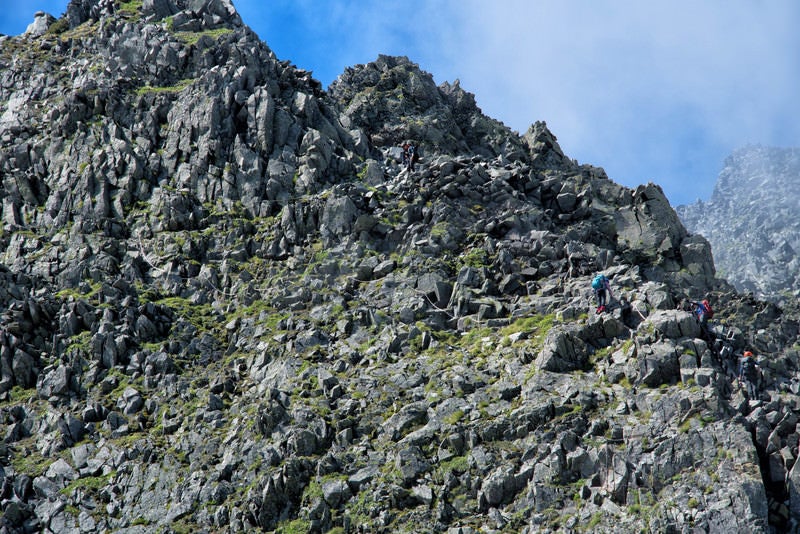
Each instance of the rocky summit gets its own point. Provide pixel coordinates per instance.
(752, 221)
(228, 306)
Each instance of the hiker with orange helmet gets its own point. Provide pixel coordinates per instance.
(749, 373)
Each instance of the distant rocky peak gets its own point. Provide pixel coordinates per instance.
(751, 220)
(752, 167)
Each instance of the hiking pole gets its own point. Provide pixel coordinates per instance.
(637, 311)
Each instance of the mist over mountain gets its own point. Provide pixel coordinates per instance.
(752, 221)
(227, 306)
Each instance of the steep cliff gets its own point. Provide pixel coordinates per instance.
(227, 306)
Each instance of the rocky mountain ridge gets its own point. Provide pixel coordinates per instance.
(227, 307)
(751, 221)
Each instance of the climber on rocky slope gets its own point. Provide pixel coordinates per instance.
(412, 157)
(703, 312)
(602, 291)
(749, 373)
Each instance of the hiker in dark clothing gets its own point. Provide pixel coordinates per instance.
(749, 373)
(405, 148)
(725, 352)
(413, 156)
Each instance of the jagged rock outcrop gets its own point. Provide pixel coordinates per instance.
(226, 307)
(751, 221)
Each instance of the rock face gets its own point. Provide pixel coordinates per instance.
(752, 221)
(227, 307)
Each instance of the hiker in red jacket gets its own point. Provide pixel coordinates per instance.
(703, 312)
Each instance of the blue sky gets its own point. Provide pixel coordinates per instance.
(655, 91)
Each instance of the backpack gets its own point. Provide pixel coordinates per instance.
(749, 368)
(599, 282)
(709, 312)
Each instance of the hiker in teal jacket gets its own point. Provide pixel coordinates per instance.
(602, 291)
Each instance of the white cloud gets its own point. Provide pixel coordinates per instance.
(647, 89)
